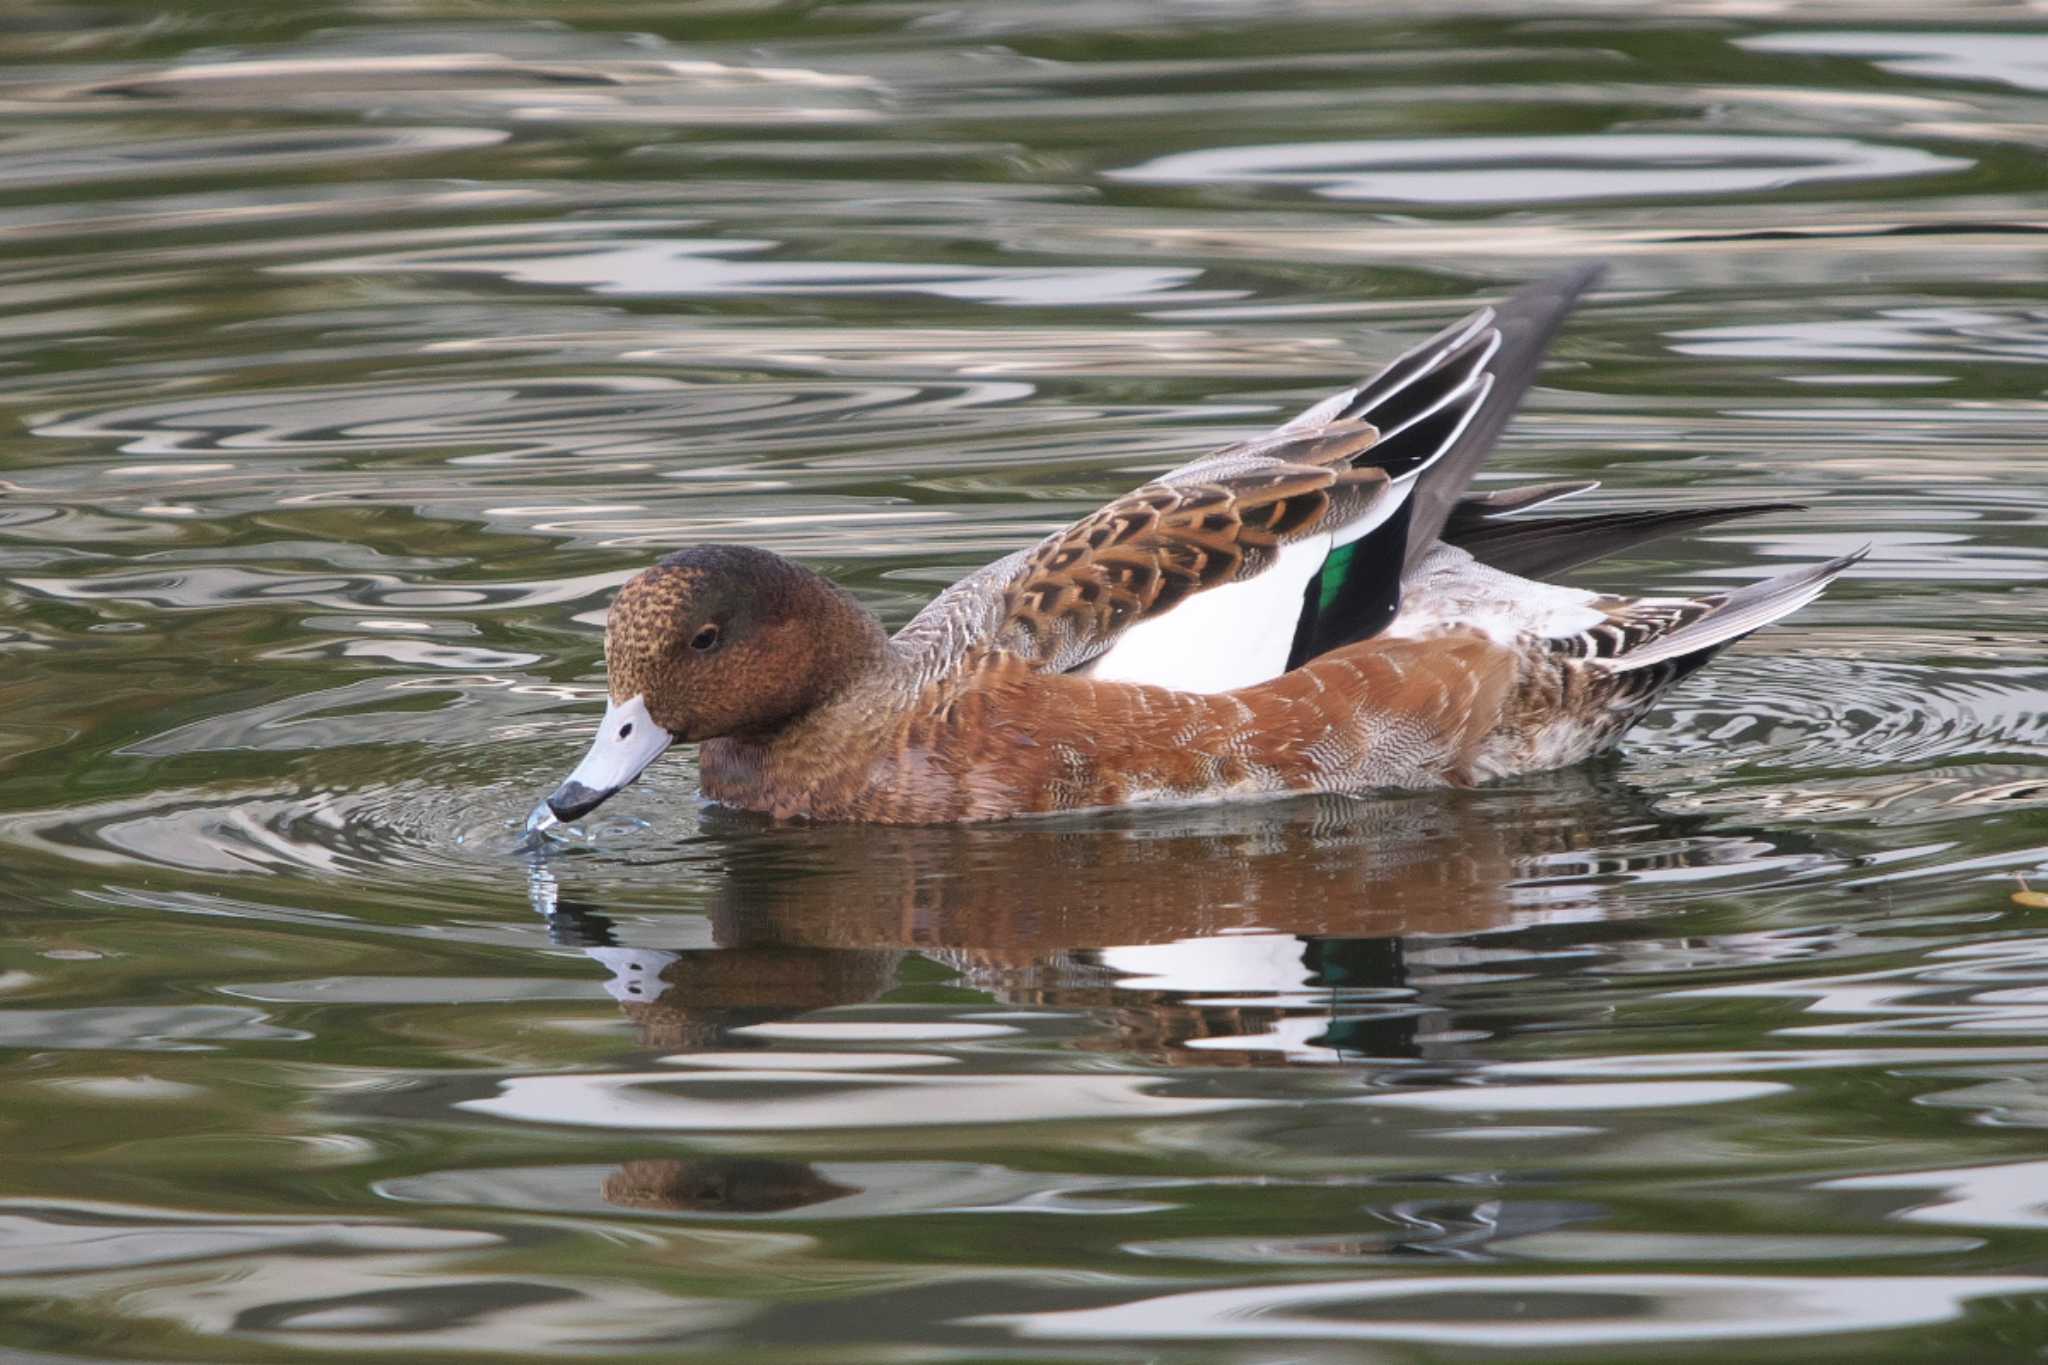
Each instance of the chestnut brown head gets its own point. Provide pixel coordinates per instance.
(715, 640)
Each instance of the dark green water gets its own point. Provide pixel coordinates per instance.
(351, 354)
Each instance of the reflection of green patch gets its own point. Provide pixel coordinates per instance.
(921, 981)
(917, 967)
(1333, 573)
(936, 995)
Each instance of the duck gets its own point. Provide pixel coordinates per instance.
(1327, 608)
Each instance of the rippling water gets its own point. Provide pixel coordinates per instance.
(352, 354)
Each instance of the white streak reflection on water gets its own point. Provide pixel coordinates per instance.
(1552, 1313)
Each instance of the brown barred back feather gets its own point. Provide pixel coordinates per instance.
(1139, 556)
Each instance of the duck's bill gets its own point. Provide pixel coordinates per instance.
(627, 741)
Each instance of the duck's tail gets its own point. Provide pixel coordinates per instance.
(1729, 617)
(1486, 527)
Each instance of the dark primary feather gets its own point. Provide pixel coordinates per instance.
(1420, 419)
(1358, 592)
(1527, 321)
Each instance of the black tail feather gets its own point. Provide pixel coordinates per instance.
(1537, 547)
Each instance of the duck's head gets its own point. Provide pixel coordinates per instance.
(714, 640)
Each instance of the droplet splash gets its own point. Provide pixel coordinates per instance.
(538, 823)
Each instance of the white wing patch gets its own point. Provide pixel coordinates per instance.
(1242, 633)
(1222, 639)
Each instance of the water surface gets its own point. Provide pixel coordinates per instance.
(351, 355)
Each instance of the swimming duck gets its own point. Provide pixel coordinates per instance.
(1325, 608)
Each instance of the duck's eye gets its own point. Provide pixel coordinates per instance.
(704, 639)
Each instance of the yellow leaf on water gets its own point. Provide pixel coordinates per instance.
(2027, 896)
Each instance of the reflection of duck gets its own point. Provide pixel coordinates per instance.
(720, 1185)
(1183, 930)
(1324, 608)
(1377, 867)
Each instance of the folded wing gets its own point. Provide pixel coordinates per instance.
(1201, 579)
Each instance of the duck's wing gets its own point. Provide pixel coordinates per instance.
(1198, 579)
(1194, 583)
(1357, 592)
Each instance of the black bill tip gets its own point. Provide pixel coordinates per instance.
(573, 799)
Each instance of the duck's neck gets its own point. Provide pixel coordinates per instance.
(815, 766)
(842, 649)
(821, 752)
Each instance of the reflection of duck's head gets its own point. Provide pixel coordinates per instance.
(720, 1185)
(705, 995)
(696, 998)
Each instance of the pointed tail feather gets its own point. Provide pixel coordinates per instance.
(1743, 611)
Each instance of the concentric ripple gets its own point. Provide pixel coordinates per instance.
(1823, 735)
(1761, 736)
